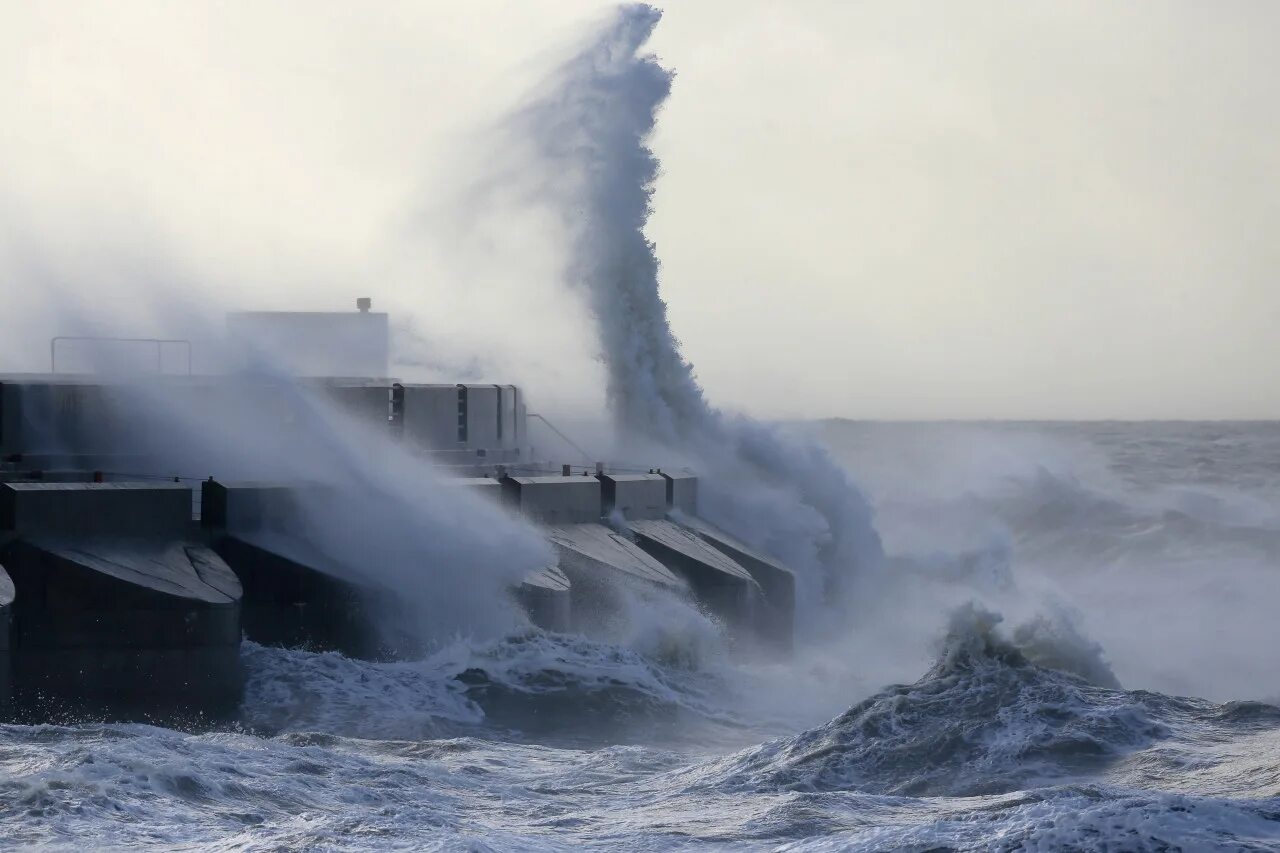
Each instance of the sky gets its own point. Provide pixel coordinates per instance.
(865, 210)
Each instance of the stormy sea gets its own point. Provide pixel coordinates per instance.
(1071, 646)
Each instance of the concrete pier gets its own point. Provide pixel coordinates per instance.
(593, 557)
(117, 604)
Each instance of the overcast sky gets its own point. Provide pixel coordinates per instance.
(868, 210)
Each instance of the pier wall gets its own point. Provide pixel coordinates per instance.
(635, 496)
(116, 603)
(555, 500)
(682, 491)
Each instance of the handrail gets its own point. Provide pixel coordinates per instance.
(159, 342)
(585, 455)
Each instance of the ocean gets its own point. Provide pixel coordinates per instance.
(1070, 645)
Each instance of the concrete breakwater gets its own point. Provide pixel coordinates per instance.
(121, 594)
(116, 598)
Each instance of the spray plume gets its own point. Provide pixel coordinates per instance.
(592, 133)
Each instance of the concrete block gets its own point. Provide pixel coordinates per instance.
(247, 507)
(112, 624)
(95, 509)
(636, 496)
(429, 416)
(682, 491)
(367, 401)
(556, 500)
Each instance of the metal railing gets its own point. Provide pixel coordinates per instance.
(585, 455)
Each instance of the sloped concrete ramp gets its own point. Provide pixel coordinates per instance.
(690, 545)
(545, 595)
(776, 618)
(177, 569)
(124, 623)
(599, 563)
(594, 547)
(718, 582)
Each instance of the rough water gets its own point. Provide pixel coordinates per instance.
(1031, 571)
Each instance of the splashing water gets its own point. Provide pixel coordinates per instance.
(592, 132)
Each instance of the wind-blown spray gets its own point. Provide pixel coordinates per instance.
(591, 132)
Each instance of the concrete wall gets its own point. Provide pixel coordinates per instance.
(248, 507)
(51, 415)
(468, 418)
(430, 416)
(6, 625)
(485, 486)
(368, 402)
(134, 625)
(483, 411)
(556, 500)
(682, 491)
(95, 509)
(636, 496)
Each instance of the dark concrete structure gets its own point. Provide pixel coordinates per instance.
(294, 596)
(724, 587)
(6, 625)
(774, 616)
(117, 604)
(546, 595)
(682, 491)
